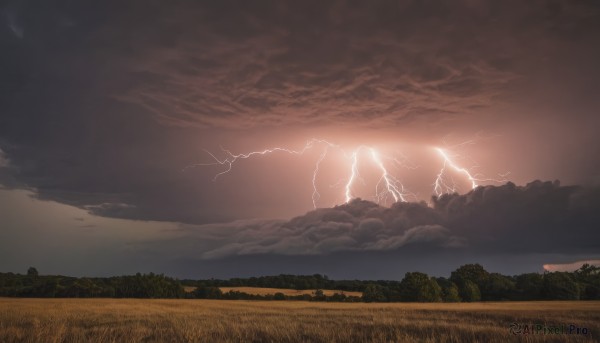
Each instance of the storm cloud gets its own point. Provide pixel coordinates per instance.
(541, 217)
(104, 105)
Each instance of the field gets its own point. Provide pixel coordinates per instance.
(131, 320)
(266, 291)
(292, 292)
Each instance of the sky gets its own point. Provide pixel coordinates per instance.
(355, 139)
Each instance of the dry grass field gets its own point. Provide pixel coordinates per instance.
(130, 320)
(265, 291)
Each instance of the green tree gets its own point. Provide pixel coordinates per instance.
(449, 290)
(560, 286)
(471, 272)
(529, 286)
(419, 287)
(588, 277)
(498, 287)
(208, 293)
(469, 291)
(374, 293)
(470, 279)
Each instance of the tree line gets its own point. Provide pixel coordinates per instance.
(56, 286)
(468, 283)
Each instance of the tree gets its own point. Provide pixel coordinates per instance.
(449, 290)
(419, 287)
(279, 296)
(374, 293)
(32, 272)
(472, 272)
(560, 286)
(529, 286)
(469, 291)
(498, 287)
(208, 293)
(470, 279)
(588, 277)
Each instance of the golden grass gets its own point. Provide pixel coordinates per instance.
(131, 320)
(266, 291)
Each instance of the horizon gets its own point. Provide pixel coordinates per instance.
(565, 267)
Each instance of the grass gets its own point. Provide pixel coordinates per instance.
(132, 320)
(265, 291)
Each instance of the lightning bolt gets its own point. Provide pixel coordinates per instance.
(388, 186)
(315, 195)
(441, 185)
(392, 185)
(353, 176)
(232, 158)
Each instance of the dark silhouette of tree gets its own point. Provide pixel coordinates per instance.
(498, 287)
(449, 290)
(468, 283)
(374, 293)
(419, 287)
(469, 291)
(472, 272)
(208, 293)
(529, 286)
(32, 272)
(588, 277)
(560, 286)
(470, 279)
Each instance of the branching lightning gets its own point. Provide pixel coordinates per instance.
(443, 185)
(388, 186)
(440, 185)
(393, 185)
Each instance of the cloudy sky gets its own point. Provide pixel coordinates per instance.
(234, 138)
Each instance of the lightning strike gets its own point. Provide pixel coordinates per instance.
(441, 185)
(392, 185)
(315, 195)
(353, 176)
(388, 186)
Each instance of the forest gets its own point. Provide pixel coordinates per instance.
(468, 283)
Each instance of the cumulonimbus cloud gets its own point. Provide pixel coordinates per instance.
(542, 217)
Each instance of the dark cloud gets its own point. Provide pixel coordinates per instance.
(377, 64)
(356, 240)
(102, 103)
(539, 218)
